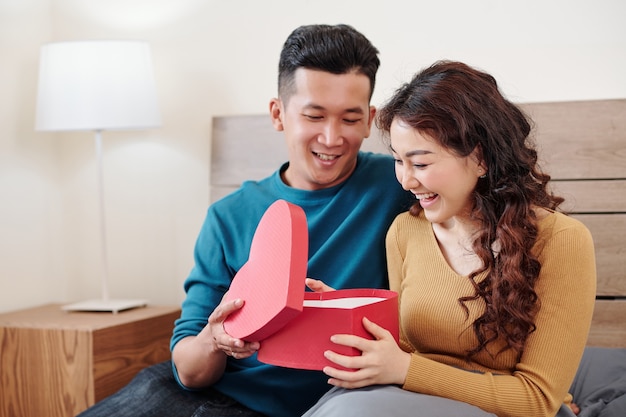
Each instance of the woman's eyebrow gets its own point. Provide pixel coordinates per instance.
(418, 152)
(412, 153)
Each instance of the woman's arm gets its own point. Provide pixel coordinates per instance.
(538, 384)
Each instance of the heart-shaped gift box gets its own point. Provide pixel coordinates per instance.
(294, 326)
(271, 282)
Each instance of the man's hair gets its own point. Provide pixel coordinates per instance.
(337, 49)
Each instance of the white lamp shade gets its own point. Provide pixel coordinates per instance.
(96, 85)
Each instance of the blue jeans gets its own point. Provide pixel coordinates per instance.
(155, 393)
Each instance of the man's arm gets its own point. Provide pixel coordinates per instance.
(200, 360)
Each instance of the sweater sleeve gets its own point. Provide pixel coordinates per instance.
(395, 260)
(538, 383)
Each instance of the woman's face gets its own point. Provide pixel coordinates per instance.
(442, 181)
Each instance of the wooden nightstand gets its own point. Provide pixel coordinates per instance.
(56, 363)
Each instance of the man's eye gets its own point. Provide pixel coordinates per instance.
(352, 121)
(312, 117)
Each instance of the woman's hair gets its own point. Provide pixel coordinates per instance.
(463, 110)
(338, 49)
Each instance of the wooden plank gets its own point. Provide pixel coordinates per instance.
(608, 325)
(577, 140)
(44, 372)
(604, 196)
(120, 352)
(243, 148)
(581, 139)
(609, 238)
(51, 316)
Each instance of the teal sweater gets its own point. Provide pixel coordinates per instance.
(347, 225)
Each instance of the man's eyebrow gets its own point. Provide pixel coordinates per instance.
(313, 106)
(354, 110)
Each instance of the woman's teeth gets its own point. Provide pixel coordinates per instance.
(425, 196)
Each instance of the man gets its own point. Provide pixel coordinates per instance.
(326, 80)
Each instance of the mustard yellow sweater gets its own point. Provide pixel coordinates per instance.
(435, 330)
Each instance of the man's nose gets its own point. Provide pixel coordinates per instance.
(331, 135)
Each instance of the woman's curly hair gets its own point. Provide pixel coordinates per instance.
(463, 109)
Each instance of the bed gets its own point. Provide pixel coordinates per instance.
(582, 145)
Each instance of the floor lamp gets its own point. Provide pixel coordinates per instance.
(97, 86)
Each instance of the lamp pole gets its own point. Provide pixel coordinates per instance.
(103, 239)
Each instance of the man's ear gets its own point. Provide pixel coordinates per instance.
(276, 114)
(370, 122)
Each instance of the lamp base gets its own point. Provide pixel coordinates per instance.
(113, 306)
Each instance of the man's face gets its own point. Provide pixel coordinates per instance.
(325, 121)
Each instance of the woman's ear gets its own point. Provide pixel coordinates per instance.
(276, 114)
(482, 168)
(477, 156)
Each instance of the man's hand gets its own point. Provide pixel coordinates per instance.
(317, 286)
(200, 360)
(231, 346)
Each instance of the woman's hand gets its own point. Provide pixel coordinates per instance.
(317, 286)
(381, 361)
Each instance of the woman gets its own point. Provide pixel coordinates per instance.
(496, 288)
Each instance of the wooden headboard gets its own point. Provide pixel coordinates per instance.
(582, 145)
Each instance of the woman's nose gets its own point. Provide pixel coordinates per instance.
(407, 180)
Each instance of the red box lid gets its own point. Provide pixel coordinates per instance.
(271, 282)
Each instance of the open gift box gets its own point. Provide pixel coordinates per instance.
(294, 326)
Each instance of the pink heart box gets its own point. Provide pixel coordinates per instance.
(294, 326)
(272, 280)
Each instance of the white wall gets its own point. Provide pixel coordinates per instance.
(215, 58)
